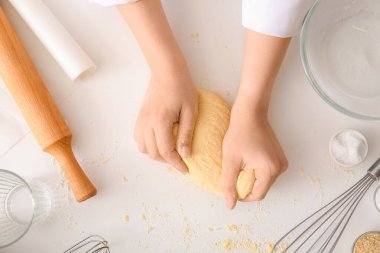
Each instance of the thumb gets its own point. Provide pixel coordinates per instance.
(230, 173)
(185, 132)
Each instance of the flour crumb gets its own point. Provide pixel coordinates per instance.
(125, 179)
(143, 216)
(186, 233)
(269, 247)
(170, 169)
(315, 180)
(210, 229)
(244, 244)
(126, 218)
(195, 37)
(149, 230)
(232, 228)
(228, 245)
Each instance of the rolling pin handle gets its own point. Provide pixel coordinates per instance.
(78, 181)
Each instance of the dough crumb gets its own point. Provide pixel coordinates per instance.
(149, 230)
(228, 245)
(125, 179)
(244, 244)
(126, 218)
(315, 180)
(143, 217)
(233, 228)
(195, 37)
(269, 247)
(170, 169)
(210, 229)
(284, 247)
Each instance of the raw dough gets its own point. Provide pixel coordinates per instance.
(205, 162)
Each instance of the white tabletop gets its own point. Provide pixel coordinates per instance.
(101, 111)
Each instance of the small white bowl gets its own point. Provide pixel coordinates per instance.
(339, 160)
(377, 198)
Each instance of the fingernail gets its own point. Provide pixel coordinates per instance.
(230, 203)
(185, 151)
(180, 168)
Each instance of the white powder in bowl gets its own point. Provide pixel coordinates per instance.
(348, 147)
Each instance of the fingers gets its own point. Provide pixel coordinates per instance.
(185, 132)
(260, 188)
(139, 137)
(166, 146)
(151, 145)
(230, 173)
(157, 141)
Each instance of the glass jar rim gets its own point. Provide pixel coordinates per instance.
(32, 216)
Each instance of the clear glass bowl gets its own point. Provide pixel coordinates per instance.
(340, 50)
(22, 204)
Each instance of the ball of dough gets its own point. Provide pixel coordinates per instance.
(205, 162)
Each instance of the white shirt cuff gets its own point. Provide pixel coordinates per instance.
(280, 18)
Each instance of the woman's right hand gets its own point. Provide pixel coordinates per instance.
(170, 98)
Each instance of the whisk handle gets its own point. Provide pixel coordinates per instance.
(374, 170)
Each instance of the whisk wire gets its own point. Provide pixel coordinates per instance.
(323, 222)
(310, 218)
(350, 200)
(95, 243)
(353, 208)
(334, 215)
(325, 227)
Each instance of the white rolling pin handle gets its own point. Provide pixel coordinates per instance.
(53, 35)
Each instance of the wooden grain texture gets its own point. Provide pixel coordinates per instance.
(38, 108)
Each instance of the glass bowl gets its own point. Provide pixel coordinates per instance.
(340, 50)
(22, 205)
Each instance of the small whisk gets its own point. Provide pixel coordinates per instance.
(91, 244)
(321, 231)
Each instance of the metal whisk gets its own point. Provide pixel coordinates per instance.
(91, 244)
(321, 231)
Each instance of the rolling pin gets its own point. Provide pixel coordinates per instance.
(38, 108)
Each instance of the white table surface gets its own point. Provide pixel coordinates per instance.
(101, 111)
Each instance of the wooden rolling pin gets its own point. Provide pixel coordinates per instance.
(39, 109)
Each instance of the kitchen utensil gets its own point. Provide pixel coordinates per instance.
(53, 35)
(38, 108)
(21, 205)
(321, 231)
(91, 244)
(340, 42)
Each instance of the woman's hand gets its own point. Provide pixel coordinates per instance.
(169, 99)
(171, 96)
(250, 144)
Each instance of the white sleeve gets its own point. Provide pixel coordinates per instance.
(281, 18)
(112, 2)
